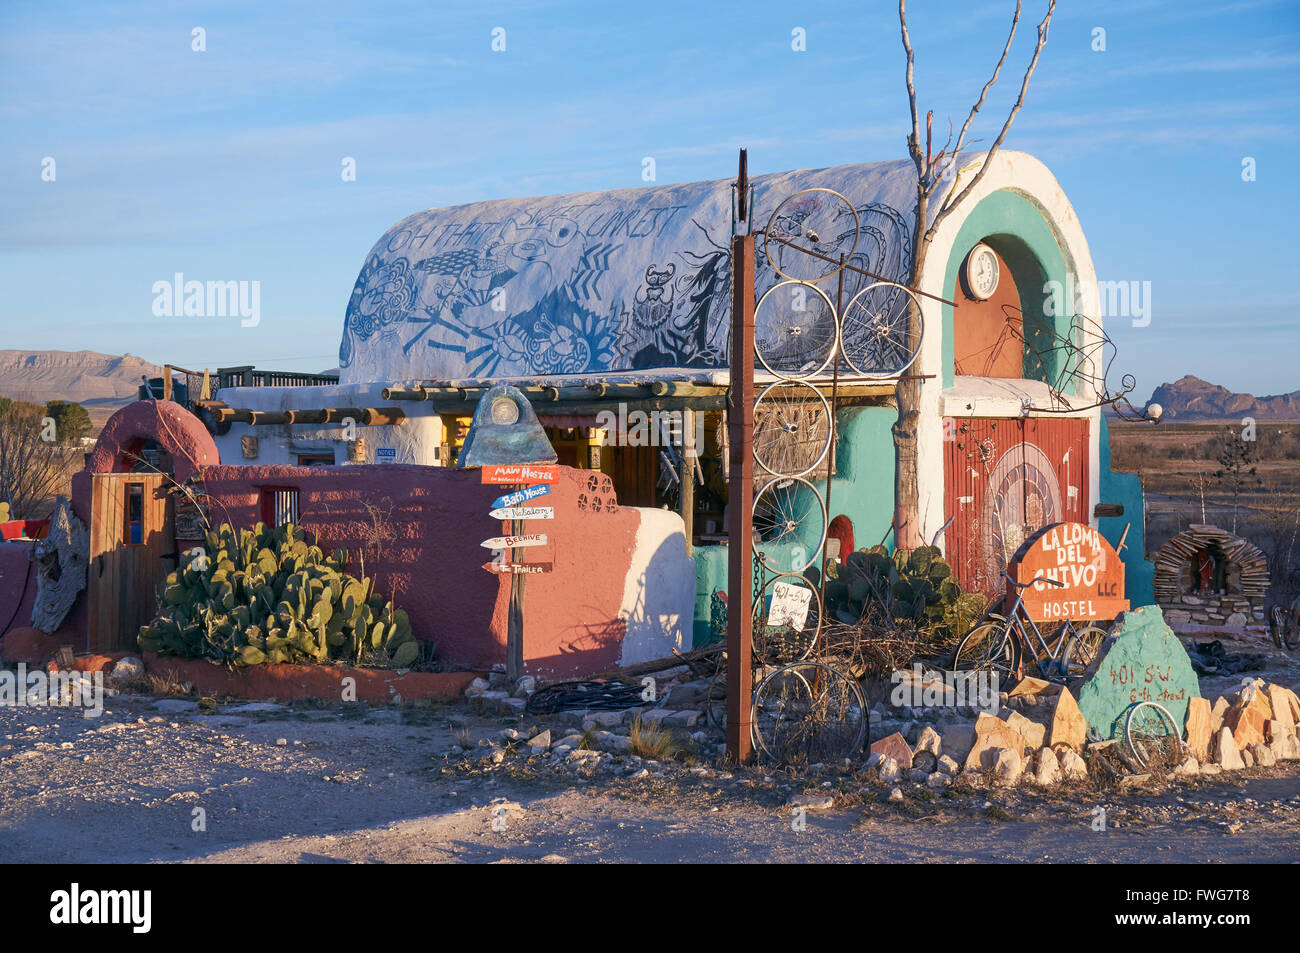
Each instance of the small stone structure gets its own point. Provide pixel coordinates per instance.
(1207, 576)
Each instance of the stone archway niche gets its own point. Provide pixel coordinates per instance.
(1206, 576)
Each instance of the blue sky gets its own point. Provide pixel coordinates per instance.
(225, 164)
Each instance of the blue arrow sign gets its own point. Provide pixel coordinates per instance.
(521, 496)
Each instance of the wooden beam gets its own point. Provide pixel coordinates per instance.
(740, 493)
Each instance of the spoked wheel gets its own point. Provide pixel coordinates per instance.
(790, 512)
(787, 618)
(1152, 736)
(795, 331)
(792, 428)
(809, 712)
(1081, 650)
(989, 646)
(810, 233)
(877, 337)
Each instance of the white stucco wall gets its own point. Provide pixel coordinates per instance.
(415, 440)
(1023, 174)
(659, 595)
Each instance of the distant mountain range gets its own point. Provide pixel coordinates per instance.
(87, 377)
(1191, 398)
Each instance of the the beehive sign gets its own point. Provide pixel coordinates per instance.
(1080, 558)
(520, 496)
(518, 473)
(514, 542)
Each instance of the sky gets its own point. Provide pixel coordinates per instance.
(226, 163)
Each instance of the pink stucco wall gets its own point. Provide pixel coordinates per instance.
(432, 561)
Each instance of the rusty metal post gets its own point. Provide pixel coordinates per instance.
(515, 618)
(740, 496)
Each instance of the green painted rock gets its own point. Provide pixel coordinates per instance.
(1140, 661)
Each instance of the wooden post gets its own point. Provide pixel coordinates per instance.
(167, 382)
(515, 619)
(686, 472)
(740, 496)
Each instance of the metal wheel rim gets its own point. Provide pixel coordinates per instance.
(834, 268)
(808, 370)
(853, 359)
(1174, 733)
(798, 670)
(757, 614)
(825, 444)
(780, 483)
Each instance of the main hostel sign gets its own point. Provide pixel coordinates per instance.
(1078, 557)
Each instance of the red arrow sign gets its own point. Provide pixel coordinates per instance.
(519, 473)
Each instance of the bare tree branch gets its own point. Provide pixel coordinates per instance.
(914, 140)
(952, 202)
(965, 128)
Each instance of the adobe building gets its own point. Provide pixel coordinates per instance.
(600, 305)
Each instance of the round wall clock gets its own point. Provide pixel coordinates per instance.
(979, 273)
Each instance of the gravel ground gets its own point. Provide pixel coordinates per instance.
(355, 784)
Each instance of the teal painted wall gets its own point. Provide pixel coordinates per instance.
(863, 491)
(1126, 488)
(1015, 228)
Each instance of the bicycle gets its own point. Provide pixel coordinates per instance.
(1284, 624)
(999, 643)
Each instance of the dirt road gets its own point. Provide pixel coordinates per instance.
(345, 784)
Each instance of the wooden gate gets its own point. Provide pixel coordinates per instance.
(130, 531)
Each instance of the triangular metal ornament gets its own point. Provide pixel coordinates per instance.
(505, 430)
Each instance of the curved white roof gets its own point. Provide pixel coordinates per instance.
(634, 279)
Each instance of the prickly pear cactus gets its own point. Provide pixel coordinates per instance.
(914, 586)
(268, 595)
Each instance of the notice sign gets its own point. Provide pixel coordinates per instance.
(514, 542)
(1080, 558)
(385, 455)
(519, 473)
(789, 605)
(516, 569)
(520, 496)
(524, 513)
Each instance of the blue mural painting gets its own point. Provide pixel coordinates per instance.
(623, 280)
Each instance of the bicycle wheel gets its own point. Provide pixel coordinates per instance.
(792, 428)
(1152, 736)
(1283, 627)
(1081, 649)
(877, 337)
(809, 712)
(991, 645)
(790, 512)
(787, 618)
(810, 233)
(795, 331)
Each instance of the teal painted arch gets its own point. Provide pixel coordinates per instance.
(1017, 228)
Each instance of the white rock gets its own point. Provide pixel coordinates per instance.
(541, 740)
(1189, 767)
(889, 771)
(1048, 772)
(897, 793)
(929, 740)
(476, 688)
(127, 668)
(1007, 767)
(1073, 767)
(938, 780)
(948, 766)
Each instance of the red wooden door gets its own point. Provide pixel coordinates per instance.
(1004, 478)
